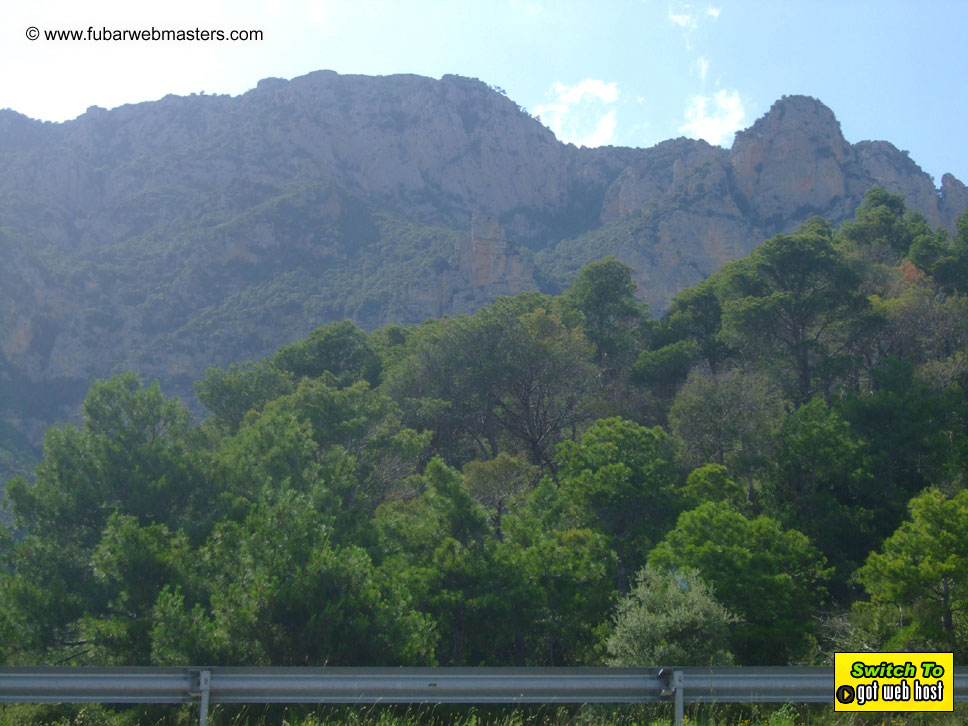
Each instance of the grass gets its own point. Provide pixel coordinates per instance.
(588, 715)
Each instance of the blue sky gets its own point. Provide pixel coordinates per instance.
(624, 72)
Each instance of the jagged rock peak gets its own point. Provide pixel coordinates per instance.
(804, 114)
(793, 158)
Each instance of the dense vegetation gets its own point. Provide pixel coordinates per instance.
(771, 472)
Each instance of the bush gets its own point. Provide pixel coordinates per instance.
(670, 619)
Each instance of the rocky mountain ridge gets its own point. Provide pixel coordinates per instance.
(171, 235)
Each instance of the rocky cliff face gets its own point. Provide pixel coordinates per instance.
(168, 236)
(794, 159)
(953, 200)
(681, 209)
(439, 150)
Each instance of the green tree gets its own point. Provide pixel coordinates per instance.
(344, 446)
(823, 485)
(132, 453)
(663, 370)
(276, 591)
(134, 563)
(571, 589)
(480, 603)
(730, 418)
(928, 327)
(135, 455)
(340, 349)
(549, 381)
(696, 315)
(452, 381)
(240, 388)
(495, 484)
(883, 229)
(913, 435)
(794, 302)
(923, 569)
(689, 335)
(524, 594)
(619, 480)
(602, 300)
(437, 507)
(614, 321)
(771, 578)
(511, 375)
(670, 619)
(442, 546)
(711, 483)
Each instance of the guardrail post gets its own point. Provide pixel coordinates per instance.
(674, 681)
(201, 685)
(678, 679)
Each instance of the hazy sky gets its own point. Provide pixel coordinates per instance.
(624, 72)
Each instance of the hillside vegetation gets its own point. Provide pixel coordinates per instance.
(772, 471)
(169, 236)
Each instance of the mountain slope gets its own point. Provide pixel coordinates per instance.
(172, 235)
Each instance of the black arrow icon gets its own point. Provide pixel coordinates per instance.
(845, 694)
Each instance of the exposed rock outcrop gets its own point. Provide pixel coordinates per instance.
(953, 200)
(171, 235)
(696, 206)
(794, 161)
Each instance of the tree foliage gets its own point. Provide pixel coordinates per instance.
(923, 569)
(619, 480)
(670, 619)
(795, 300)
(771, 578)
(513, 374)
(482, 490)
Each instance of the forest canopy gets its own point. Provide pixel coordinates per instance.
(552, 480)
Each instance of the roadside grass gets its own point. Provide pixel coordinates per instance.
(431, 715)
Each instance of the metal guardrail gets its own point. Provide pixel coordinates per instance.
(205, 685)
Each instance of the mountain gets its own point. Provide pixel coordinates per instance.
(168, 236)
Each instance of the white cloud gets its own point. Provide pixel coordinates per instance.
(702, 67)
(604, 131)
(551, 114)
(318, 11)
(716, 118)
(683, 19)
(688, 18)
(580, 114)
(589, 88)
